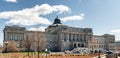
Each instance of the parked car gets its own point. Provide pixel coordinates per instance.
(109, 52)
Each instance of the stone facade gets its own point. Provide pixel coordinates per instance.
(97, 44)
(36, 36)
(61, 37)
(117, 46)
(102, 43)
(67, 38)
(14, 33)
(20, 34)
(110, 41)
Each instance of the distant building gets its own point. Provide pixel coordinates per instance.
(110, 42)
(117, 46)
(14, 33)
(61, 37)
(36, 36)
(67, 38)
(102, 43)
(97, 43)
(19, 34)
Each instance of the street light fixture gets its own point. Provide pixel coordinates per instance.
(6, 44)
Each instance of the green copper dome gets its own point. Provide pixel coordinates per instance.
(57, 21)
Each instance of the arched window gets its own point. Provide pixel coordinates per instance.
(73, 39)
(82, 45)
(70, 39)
(78, 45)
(75, 45)
(65, 39)
(77, 39)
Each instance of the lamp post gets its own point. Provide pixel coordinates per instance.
(6, 44)
(46, 50)
(38, 48)
(55, 47)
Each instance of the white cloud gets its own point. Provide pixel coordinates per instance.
(116, 31)
(61, 8)
(11, 1)
(32, 16)
(37, 29)
(72, 18)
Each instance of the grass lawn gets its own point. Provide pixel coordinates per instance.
(43, 55)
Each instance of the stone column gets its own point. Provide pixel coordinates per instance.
(75, 37)
(82, 37)
(67, 36)
(12, 36)
(71, 37)
(6, 36)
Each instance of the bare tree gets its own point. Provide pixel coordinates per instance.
(35, 40)
(1, 48)
(12, 47)
(27, 43)
(40, 41)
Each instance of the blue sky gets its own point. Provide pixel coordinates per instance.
(101, 15)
